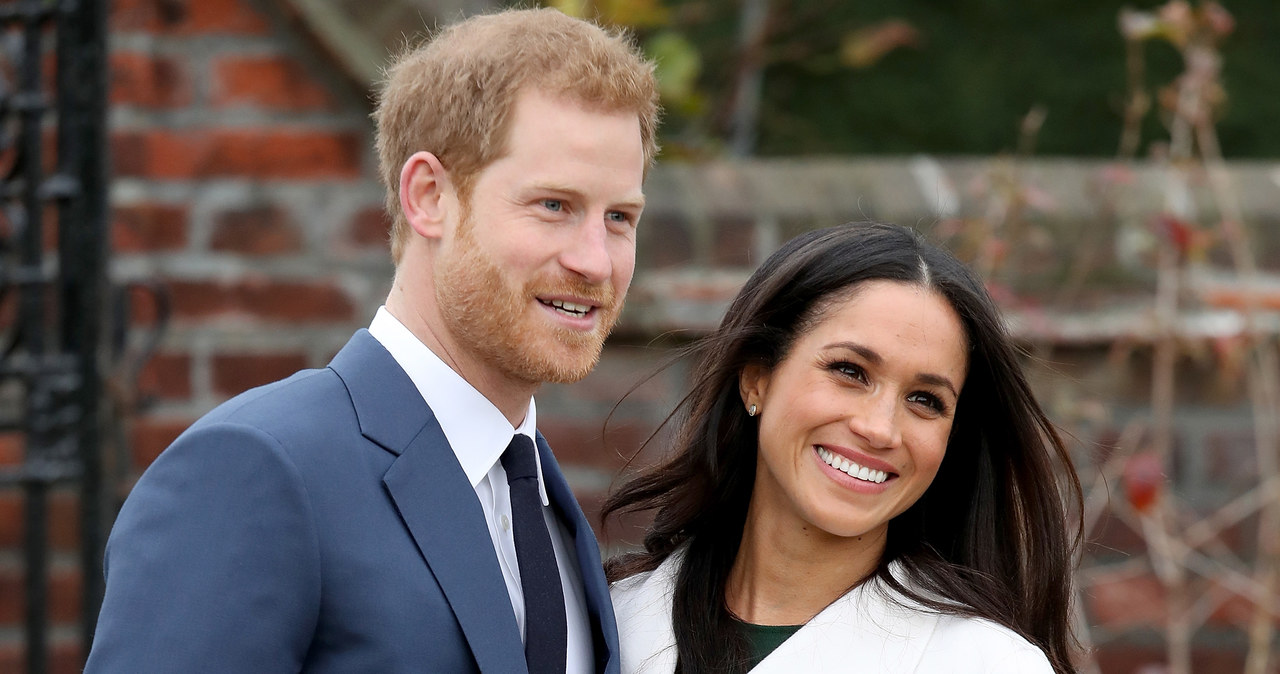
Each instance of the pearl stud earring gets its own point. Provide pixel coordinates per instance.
(751, 411)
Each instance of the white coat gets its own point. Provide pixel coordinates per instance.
(862, 631)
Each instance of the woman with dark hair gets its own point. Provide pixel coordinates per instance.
(861, 481)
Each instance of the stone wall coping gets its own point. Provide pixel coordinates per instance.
(924, 188)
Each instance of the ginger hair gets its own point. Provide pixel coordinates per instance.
(454, 94)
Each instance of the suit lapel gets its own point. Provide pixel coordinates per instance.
(596, 589)
(435, 500)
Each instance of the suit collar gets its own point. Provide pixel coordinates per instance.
(435, 500)
(388, 407)
(438, 505)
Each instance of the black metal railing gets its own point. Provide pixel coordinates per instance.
(53, 251)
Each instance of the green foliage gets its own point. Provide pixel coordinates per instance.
(948, 77)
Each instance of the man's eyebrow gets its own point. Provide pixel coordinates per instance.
(636, 201)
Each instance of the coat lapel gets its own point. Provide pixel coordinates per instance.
(883, 634)
(865, 630)
(435, 500)
(603, 626)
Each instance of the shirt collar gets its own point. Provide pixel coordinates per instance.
(477, 431)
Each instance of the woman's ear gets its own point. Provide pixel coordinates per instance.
(753, 384)
(425, 194)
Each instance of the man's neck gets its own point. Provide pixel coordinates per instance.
(509, 396)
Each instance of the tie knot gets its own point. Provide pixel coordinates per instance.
(518, 459)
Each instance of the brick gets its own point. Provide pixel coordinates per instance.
(151, 435)
(583, 443)
(667, 241)
(144, 299)
(12, 447)
(63, 600)
(733, 240)
(1125, 658)
(185, 17)
(1231, 456)
(295, 301)
(1234, 611)
(62, 519)
(634, 372)
(66, 656)
(63, 508)
(270, 300)
(247, 153)
(148, 228)
(66, 585)
(266, 230)
(148, 81)
(624, 532)
(233, 374)
(1126, 602)
(271, 82)
(11, 524)
(12, 600)
(370, 227)
(1111, 537)
(166, 376)
(192, 299)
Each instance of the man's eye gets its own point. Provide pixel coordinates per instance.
(554, 205)
(617, 216)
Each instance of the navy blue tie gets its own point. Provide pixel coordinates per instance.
(545, 640)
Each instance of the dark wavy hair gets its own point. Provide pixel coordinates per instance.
(990, 536)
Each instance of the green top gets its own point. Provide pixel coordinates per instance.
(764, 639)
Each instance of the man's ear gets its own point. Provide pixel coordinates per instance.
(425, 193)
(753, 384)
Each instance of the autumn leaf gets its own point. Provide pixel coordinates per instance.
(866, 46)
(1143, 479)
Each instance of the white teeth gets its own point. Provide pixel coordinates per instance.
(570, 307)
(844, 465)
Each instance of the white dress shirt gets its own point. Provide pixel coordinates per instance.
(478, 434)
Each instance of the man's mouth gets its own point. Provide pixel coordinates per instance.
(568, 308)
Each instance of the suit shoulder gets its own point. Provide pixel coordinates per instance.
(298, 416)
(302, 387)
(307, 403)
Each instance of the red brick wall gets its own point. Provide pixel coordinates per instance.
(245, 186)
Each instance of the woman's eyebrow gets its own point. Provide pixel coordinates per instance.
(873, 357)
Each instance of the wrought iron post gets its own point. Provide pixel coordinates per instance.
(51, 363)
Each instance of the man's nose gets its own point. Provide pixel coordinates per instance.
(587, 254)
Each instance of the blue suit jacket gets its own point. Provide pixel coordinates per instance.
(321, 524)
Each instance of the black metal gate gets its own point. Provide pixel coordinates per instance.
(53, 249)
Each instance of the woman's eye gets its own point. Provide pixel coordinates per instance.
(928, 400)
(553, 205)
(850, 370)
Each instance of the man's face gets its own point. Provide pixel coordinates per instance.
(534, 275)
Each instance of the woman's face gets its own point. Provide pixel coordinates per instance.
(854, 421)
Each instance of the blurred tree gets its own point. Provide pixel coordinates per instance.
(909, 76)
